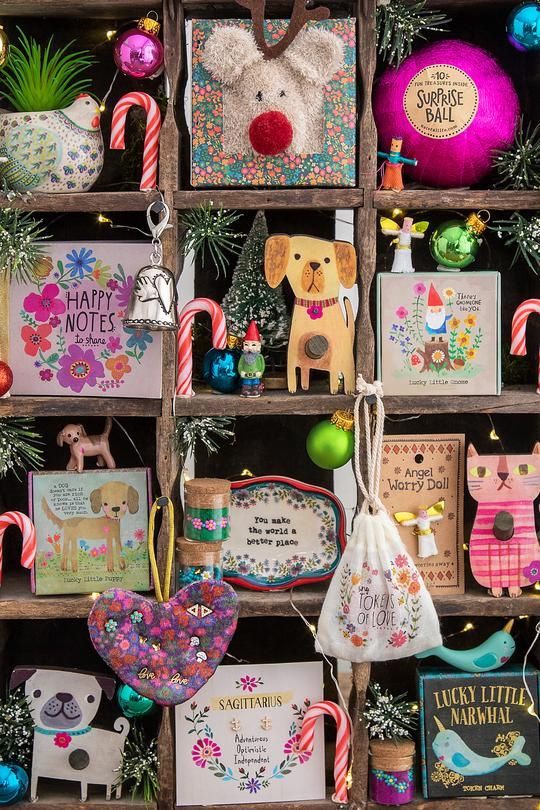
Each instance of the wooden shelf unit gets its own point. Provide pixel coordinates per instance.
(79, 406)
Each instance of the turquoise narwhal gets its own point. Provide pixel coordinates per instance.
(450, 749)
(492, 654)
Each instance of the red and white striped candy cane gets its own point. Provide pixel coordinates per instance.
(29, 537)
(185, 354)
(519, 328)
(343, 742)
(151, 138)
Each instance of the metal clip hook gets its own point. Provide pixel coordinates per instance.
(161, 209)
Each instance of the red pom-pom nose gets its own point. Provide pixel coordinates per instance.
(270, 133)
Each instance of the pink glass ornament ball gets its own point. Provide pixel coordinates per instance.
(138, 54)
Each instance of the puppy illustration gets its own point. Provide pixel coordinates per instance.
(63, 704)
(320, 337)
(115, 498)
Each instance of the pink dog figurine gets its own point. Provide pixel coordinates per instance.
(82, 445)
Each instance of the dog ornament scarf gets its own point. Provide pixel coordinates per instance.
(377, 607)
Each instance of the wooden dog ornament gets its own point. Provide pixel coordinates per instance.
(321, 337)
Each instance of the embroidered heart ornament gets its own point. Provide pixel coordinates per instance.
(165, 650)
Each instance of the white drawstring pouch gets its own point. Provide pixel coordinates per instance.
(377, 607)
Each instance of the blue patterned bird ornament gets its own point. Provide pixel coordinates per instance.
(450, 749)
(493, 653)
(50, 151)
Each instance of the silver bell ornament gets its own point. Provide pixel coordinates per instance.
(153, 299)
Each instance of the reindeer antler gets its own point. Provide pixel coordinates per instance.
(299, 17)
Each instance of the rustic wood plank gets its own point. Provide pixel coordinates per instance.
(360, 742)
(73, 8)
(271, 402)
(79, 406)
(92, 201)
(513, 399)
(451, 198)
(273, 198)
(57, 795)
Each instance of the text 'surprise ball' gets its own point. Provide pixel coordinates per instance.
(453, 105)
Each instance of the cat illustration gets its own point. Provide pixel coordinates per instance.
(503, 541)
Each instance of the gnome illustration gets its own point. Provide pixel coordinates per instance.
(436, 316)
(251, 364)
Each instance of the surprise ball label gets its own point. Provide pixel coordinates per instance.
(440, 101)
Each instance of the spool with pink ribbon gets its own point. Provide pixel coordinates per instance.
(343, 742)
(28, 532)
(185, 354)
(151, 138)
(519, 328)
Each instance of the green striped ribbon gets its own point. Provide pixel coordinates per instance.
(208, 525)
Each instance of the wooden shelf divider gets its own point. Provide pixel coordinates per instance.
(90, 201)
(272, 198)
(79, 406)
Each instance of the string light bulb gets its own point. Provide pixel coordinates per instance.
(104, 220)
(348, 780)
(313, 628)
(493, 435)
(102, 107)
(537, 586)
(110, 34)
(524, 617)
(246, 473)
(94, 596)
(468, 626)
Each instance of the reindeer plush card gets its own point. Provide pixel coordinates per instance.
(422, 488)
(439, 333)
(274, 102)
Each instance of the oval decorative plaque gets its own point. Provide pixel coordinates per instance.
(283, 533)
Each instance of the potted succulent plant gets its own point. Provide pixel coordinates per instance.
(52, 140)
(390, 720)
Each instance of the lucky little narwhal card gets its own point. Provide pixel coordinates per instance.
(422, 488)
(439, 333)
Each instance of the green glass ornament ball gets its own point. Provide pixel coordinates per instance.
(454, 244)
(330, 446)
(131, 703)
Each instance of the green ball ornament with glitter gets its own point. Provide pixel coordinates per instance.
(454, 244)
(133, 704)
(330, 444)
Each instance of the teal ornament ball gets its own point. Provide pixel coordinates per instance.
(13, 783)
(220, 368)
(330, 444)
(523, 27)
(133, 704)
(454, 244)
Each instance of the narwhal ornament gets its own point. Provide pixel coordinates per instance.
(456, 755)
(493, 653)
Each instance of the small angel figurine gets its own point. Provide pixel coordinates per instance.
(422, 521)
(403, 253)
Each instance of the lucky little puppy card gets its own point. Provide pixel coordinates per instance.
(237, 741)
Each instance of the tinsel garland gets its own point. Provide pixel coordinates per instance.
(20, 248)
(140, 763)
(210, 432)
(519, 166)
(209, 229)
(19, 446)
(389, 717)
(400, 23)
(16, 730)
(524, 234)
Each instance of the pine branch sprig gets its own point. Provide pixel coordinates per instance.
(524, 234)
(399, 24)
(210, 229)
(20, 446)
(16, 730)
(21, 251)
(140, 764)
(518, 166)
(209, 431)
(389, 717)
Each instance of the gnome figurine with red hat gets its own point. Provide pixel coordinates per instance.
(436, 315)
(251, 364)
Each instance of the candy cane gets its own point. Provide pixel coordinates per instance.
(343, 742)
(519, 328)
(28, 531)
(151, 138)
(185, 355)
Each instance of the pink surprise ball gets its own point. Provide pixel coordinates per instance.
(452, 104)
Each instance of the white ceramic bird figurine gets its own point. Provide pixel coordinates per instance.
(53, 150)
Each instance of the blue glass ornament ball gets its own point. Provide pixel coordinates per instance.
(131, 703)
(523, 26)
(220, 370)
(13, 783)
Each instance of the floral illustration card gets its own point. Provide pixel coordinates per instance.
(439, 333)
(91, 530)
(426, 473)
(237, 741)
(283, 533)
(66, 332)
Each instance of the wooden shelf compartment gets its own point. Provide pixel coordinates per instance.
(73, 8)
(451, 198)
(91, 201)
(512, 399)
(318, 198)
(206, 403)
(79, 406)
